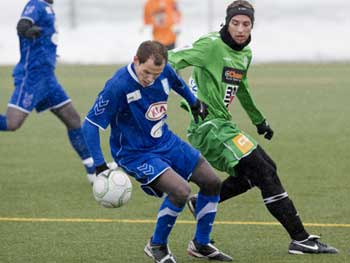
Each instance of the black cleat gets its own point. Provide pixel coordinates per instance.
(206, 252)
(159, 253)
(311, 245)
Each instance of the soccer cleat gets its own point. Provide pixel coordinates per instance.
(91, 175)
(91, 178)
(208, 251)
(159, 253)
(311, 245)
(191, 203)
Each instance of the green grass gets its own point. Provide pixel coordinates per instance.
(41, 176)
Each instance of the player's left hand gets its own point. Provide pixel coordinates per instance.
(199, 108)
(264, 128)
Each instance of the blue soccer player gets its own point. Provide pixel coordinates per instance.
(134, 103)
(35, 82)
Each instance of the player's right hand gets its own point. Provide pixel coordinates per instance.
(265, 129)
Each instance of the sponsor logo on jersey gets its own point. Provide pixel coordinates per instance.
(232, 75)
(156, 111)
(133, 96)
(230, 93)
(157, 129)
(243, 143)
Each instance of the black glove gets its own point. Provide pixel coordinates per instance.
(199, 108)
(101, 168)
(264, 128)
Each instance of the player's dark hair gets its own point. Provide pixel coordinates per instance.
(153, 49)
(239, 7)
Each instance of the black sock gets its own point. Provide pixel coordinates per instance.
(284, 211)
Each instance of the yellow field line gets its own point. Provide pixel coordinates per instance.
(149, 221)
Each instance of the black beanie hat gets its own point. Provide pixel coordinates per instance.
(239, 10)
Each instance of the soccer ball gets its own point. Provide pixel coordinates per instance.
(112, 189)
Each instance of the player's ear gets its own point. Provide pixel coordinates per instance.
(136, 60)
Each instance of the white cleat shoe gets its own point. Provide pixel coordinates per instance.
(91, 178)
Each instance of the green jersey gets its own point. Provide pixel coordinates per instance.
(219, 74)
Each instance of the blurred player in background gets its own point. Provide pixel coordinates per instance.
(221, 61)
(134, 103)
(164, 18)
(35, 82)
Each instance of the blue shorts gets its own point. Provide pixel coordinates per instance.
(39, 91)
(148, 166)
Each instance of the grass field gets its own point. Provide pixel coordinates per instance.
(48, 214)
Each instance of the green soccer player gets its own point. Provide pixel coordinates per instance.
(220, 63)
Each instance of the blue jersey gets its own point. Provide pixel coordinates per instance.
(135, 113)
(38, 53)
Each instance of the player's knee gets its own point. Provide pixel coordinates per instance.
(74, 121)
(13, 125)
(181, 194)
(211, 186)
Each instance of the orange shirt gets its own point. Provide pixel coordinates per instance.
(162, 15)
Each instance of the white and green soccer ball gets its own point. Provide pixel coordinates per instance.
(113, 188)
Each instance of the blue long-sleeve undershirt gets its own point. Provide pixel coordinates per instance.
(92, 137)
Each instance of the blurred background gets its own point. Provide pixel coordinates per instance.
(109, 31)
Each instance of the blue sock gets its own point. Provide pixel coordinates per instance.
(206, 207)
(3, 123)
(78, 142)
(167, 215)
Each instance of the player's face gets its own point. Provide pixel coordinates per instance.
(240, 28)
(147, 72)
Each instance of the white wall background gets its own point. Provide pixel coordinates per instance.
(109, 31)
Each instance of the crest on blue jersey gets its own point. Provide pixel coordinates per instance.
(29, 9)
(133, 96)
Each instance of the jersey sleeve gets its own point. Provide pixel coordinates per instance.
(105, 106)
(191, 55)
(180, 87)
(248, 103)
(32, 12)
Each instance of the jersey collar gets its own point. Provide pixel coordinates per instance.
(131, 70)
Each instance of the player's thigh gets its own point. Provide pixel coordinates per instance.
(205, 177)
(68, 115)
